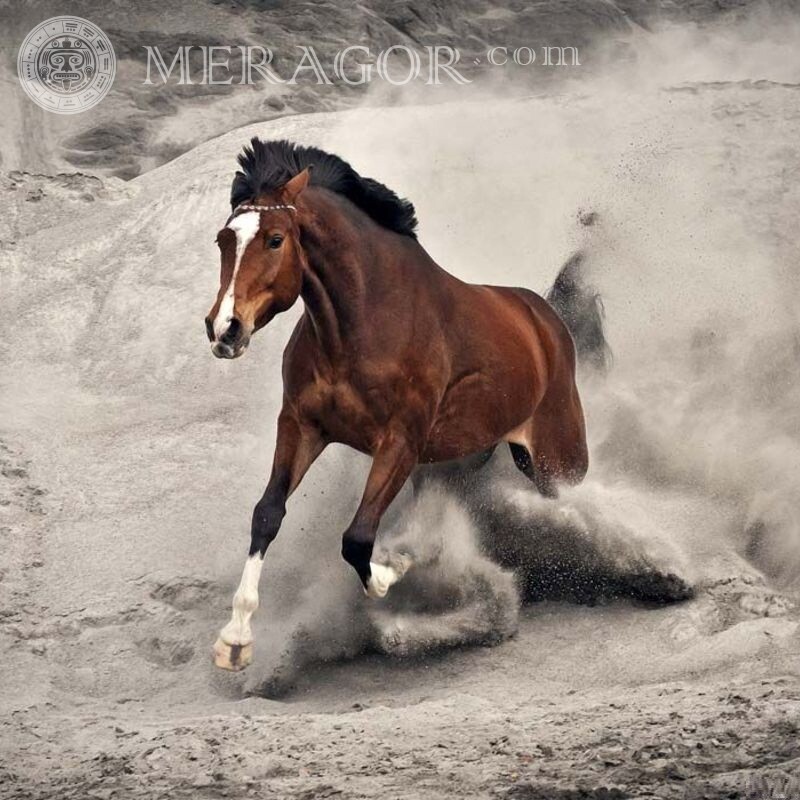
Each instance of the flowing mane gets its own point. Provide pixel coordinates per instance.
(268, 165)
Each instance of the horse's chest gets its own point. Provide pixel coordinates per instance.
(342, 412)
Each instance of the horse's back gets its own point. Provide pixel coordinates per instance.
(547, 339)
(548, 326)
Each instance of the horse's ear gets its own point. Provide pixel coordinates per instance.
(292, 188)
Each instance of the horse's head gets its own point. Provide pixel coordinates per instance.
(261, 267)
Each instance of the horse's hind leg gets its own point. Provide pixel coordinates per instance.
(554, 449)
(524, 461)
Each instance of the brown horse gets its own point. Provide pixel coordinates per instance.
(393, 356)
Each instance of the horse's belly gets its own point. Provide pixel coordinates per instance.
(471, 425)
(452, 445)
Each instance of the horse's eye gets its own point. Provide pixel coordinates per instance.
(275, 242)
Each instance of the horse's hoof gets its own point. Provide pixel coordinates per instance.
(233, 657)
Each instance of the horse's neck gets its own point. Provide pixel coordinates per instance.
(335, 281)
(324, 309)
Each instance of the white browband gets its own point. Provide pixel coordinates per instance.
(251, 207)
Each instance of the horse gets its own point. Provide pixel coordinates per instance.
(392, 356)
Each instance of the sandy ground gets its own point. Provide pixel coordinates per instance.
(504, 722)
(130, 460)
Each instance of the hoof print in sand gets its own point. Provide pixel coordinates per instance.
(185, 593)
(166, 652)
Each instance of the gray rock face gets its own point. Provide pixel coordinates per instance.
(138, 127)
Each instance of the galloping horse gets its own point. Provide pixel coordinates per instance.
(393, 356)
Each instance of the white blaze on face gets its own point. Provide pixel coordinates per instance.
(245, 226)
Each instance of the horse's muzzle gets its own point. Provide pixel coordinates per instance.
(232, 343)
(221, 350)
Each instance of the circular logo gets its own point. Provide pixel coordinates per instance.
(66, 65)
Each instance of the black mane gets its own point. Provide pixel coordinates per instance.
(268, 165)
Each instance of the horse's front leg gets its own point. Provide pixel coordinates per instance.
(392, 464)
(296, 448)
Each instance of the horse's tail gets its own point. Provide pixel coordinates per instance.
(581, 308)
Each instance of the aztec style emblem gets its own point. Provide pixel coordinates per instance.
(66, 65)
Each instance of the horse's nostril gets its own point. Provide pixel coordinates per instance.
(232, 333)
(209, 329)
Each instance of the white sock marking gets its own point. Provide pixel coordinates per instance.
(245, 226)
(381, 578)
(245, 602)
